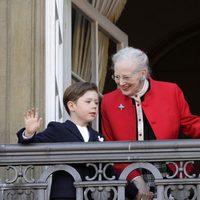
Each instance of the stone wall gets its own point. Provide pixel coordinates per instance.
(22, 66)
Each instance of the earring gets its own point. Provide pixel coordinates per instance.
(142, 78)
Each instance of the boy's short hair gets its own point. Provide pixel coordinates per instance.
(75, 91)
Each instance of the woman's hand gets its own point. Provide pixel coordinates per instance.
(146, 196)
(32, 122)
(143, 189)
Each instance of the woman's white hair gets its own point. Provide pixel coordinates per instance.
(136, 55)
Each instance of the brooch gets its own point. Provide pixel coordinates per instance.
(121, 107)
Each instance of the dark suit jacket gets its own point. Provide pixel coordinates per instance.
(62, 182)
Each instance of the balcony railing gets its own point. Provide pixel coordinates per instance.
(21, 179)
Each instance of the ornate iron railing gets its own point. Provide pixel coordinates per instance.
(23, 178)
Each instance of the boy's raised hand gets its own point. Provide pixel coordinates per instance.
(32, 122)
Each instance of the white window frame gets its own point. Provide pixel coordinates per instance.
(58, 67)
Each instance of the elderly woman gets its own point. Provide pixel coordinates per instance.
(142, 108)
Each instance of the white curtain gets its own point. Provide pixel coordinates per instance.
(81, 60)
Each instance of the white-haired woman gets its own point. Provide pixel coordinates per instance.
(144, 109)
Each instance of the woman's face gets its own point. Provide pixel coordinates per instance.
(128, 77)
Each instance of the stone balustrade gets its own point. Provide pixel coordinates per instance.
(26, 169)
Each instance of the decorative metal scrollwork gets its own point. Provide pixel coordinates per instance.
(100, 172)
(20, 194)
(180, 192)
(20, 173)
(99, 193)
(16, 174)
(180, 169)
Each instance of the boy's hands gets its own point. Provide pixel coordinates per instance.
(32, 122)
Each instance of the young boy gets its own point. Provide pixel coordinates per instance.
(81, 101)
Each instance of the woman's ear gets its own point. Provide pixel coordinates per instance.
(71, 106)
(144, 72)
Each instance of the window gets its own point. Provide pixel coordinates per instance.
(77, 43)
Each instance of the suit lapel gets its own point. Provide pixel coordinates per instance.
(93, 135)
(74, 130)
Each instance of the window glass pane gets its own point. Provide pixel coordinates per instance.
(107, 47)
(81, 46)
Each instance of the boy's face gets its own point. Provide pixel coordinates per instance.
(85, 109)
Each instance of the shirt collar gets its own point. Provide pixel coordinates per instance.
(141, 93)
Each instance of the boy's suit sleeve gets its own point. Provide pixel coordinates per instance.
(21, 139)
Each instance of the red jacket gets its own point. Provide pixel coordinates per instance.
(164, 106)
